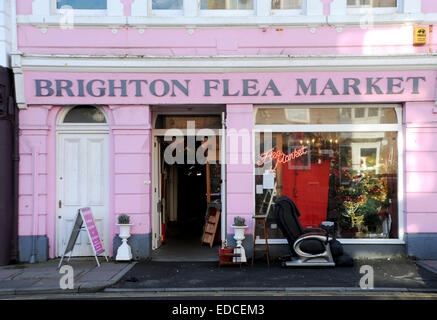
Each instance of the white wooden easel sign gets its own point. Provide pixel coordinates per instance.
(84, 214)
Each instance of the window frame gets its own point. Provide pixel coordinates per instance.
(397, 127)
(81, 12)
(227, 12)
(165, 12)
(287, 12)
(81, 126)
(373, 10)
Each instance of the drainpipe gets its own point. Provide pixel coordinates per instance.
(223, 178)
(15, 160)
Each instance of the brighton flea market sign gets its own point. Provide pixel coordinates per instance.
(238, 87)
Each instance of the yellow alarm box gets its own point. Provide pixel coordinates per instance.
(419, 36)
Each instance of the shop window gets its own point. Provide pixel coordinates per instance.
(286, 4)
(85, 114)
(341, 175)
(167, 4)
(226, 4)
(82, 4)
(371, 3)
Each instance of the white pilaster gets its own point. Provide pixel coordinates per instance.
(5, 33)
(338, 8)
(313, 7)
(263, 8)
(410, 6)
(191, 8)
(139, 8)
(41, 7)
(115, 8)
(20, 94)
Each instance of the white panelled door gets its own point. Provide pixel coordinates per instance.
(82, 181)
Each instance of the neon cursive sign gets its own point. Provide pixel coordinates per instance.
(280, 157)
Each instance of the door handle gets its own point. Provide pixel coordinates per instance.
(60, 204)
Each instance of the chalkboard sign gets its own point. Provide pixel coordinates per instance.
(84, 215)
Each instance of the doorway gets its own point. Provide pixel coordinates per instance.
(186, 174)
(82, 175)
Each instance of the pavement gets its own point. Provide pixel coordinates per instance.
(394, 275)
(46, 278)
(390, 275)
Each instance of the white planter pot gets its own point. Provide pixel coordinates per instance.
(239, 237)
(124, 252)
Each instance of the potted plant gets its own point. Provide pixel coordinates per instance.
(124, 252)
(347, 231)
(371, 218)
(239, 228)
(372, 222)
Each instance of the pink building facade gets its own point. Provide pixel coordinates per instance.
(346, 82)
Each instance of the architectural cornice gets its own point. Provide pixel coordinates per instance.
(237, 63)
(231, 21)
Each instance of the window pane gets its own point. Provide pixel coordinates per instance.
(345, 115)
(286, 4)
(82, 4)
(85, 114)
(226, 4)
(167, 4)
(349, 178)
(372, 3)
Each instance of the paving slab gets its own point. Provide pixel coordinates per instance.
(45, 277)
(430, 265)
(8, 274)
(103, 273)
(17, 284)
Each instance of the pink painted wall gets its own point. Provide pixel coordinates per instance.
(240, 168)
(421, 167)
(33, 171)
(24, 7)
(37, 191)
(214, 41)
(429, 6)
(130, 153)
(130, 118)
(131, 156)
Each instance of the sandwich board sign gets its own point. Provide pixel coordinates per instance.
(84, 215)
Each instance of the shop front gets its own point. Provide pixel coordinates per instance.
(352, 147)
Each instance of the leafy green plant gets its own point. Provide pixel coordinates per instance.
(372, 221)
(239, 221)
(123, 219)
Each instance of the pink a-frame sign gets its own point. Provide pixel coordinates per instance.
(92, 230)
(85, 215)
